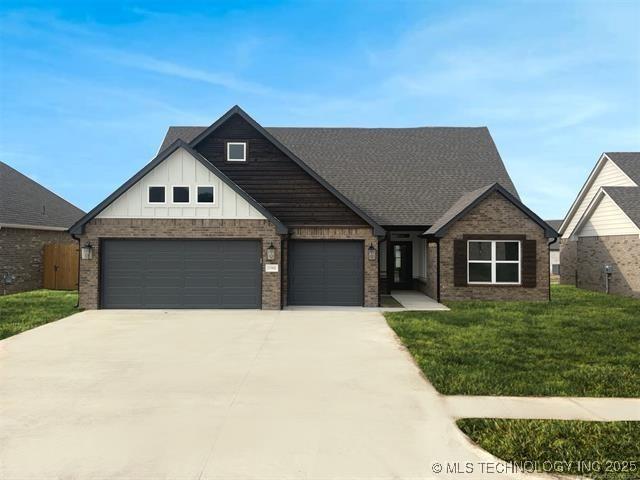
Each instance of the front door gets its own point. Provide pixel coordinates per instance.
(401, 266)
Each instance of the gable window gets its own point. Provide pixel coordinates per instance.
(206, 194)
(236, 151)
(180, 194)
(156, 194)
(493, 262)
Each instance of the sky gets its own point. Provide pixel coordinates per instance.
(88, 89)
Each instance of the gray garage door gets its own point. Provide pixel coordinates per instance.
(181, 274)
(325, 272)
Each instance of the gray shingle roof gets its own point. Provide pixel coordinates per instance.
(629, 162)
(628, 199)
(470, 199)
(25, 202)
(399, 176)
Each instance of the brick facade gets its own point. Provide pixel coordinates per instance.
(371, 298)
(494, 216)
(568, 261)
(104, 228)
(622, 252)
(21, 256)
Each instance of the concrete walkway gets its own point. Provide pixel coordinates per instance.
(557, 408)
(196, 395)
(414, 300)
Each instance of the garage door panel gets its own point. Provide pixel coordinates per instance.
(326, 272)
(181, 274)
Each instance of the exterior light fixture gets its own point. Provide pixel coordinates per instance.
(372, 252)
(271, 252)
(86, 251)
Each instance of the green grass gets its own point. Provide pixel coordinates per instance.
(580, 344)
(23, 311)
(557, 445)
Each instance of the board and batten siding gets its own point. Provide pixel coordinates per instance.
(607, 219)
(180, 169)
(610, 175)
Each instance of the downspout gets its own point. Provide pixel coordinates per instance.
(438, 269)
(73, 235)
(549, 262)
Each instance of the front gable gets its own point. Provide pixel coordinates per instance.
(274, 179)
(606, 173)
(604, 218)
(181, 169)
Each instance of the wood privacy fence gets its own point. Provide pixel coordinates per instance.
(60, 266)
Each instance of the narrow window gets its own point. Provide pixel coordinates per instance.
(180, 194)
(156, 195)
(206, 194)
(236, 152)
(493, 261)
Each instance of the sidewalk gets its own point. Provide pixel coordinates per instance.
(555, 408)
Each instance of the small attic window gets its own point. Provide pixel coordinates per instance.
(236, 151)
(156, 194)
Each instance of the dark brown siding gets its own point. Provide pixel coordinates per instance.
(460, 263)
(274, 180)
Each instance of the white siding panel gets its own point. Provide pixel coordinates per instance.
(180, 168)
(610, 176)
(607, 219)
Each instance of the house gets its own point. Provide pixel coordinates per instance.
(600, 236)
(30, 218)
(236, 215)
(554, 250)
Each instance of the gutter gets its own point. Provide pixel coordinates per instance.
(32, 227)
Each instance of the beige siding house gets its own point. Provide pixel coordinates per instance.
(600, 244)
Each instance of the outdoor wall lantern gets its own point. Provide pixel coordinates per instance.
(372, 252)
(87, 251)
(271, 252)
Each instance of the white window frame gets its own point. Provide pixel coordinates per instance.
(214, 195)
(244, 158)
(149, 187)
(494, 262)
(173, 202)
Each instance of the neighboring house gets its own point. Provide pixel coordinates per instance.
(600, 244)
(30, 218)
(236, 215)
(554, 249)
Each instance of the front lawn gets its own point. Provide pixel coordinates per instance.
(602, 450)
(23, 311)
(580, 344)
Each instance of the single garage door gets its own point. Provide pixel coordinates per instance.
(181, 274)
(325, 272)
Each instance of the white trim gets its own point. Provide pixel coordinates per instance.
(597, 198)
(188, 187)
(244, 157)
(32, 227)
(583, 191)
(493, 262)
(213, 187)
(149, 187)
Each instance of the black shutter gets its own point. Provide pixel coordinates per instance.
(529, 263)
(459, 263)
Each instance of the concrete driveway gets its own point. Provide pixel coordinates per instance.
(220, 394)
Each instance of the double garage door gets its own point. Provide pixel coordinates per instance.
(180, 274)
